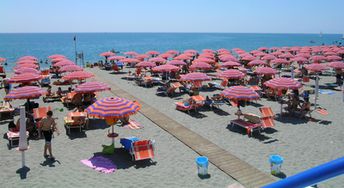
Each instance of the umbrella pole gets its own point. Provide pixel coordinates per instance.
(113, 138)
(292, 71)
(316, 91)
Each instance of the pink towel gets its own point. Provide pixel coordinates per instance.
(100, 164)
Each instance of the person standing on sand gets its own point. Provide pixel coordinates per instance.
(48, 126)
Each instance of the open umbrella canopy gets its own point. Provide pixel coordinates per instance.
(28, 57)
(315, 67)
(64, 63)
(318, 58)
(195, 76)
(227, 57)
(183, 57)
(265, 71)
(142, 56)
(157, 60)
(116, 58)
(26, 92)
(333, 58)
(299, 59)
(152, 52)
(34, 66)
(204, 60)
(78, 75)
(248, 58)
(70, 68)
(2, 59)
(257, 63)
(231, 74)
(145, 64)
(131, 53)
(24, 78)
(26, 61)
(336, 65)
(91, 87)
(56, 56)
(176, 62)
(283, 83)
(113, 107)
(280, 61)
(200, 66)
(130, 60)
(26, 70)
(268, 57)
(230, 64)
(58, 59)
(165, 68)
(107, 54)
(240, 93)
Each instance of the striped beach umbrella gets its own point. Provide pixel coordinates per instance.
(165, 68)
(26, 70)
(336, 65)
(198, 65)
(107, 54)
(230, 64)
(152, 52)
(268, 57)
(333, 58)
(54, 56)
(58, 59)
(111, 109)
(257, 63)
(26, 61)
(240, 93)
(195, 76)
(70, 68)
(24, 78)
(265, 71)
(34, 66)
(28, 57)
(176, 62)
(157, 60)
(145, 64)
(315, 67)
(63, 63)
(116, 58)
(91, 87)
(283, 83)
(26, 92)
(280, 61)
(231, 74)
(78, 75)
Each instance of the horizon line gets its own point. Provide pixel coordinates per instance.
(144, 32)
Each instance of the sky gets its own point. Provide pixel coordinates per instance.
(224, 16)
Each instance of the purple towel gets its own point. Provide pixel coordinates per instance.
(100, 164)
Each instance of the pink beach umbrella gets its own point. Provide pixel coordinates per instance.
(27, 61)
(165, 68)
(283, 83)
(152, 52)
(190, 51)
(230, 64)
(2, 59)
(299, 59)
(318, 58)
(265, 71)
(336, 65)
(70, 68)
(225, 58)
(280, 61)
(26, 92)
(116, 58)
(64, 63)
(333, 58)
(268, 57)
(200, 66)
(107, 54)
(56, 56)
(176, 62)
(55, 60)
(26, 70)
(240, 93)
(195, 77)
(174, 52)
(231, 74)
(131, 53)
(78, 75)
(28, 57)
(286, 55)
(130, 60)
(157, 60)
(34, 66)
(263, 48)
(248, 58)
(142, 56)
(24, 78)
(145, 64)
(205, 60)
(91, 87)
(257, 63)
(165, 55)
(183, 57)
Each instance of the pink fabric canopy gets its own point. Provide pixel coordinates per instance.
(283, 83)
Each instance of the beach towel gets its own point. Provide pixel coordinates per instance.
(100, 164)
(133, 125)
(326, 92)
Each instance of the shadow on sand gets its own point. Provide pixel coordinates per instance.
(50, 162)
(259, 136)
(23, 172)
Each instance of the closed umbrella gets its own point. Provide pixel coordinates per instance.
(316, 68)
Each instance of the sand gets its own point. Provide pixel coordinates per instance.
(173, 166)
(303, 144)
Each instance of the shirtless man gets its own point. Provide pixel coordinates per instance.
(48, 126)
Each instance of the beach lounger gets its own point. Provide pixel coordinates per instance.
(72, 98)
(41, 112)
(75, 120)
(13, 137)
(142, 150)
(133, 125)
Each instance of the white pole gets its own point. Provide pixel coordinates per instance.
(22, 135)
(316, 91)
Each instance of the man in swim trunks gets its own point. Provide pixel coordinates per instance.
(48, 126)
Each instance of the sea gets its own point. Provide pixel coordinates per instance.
(41, 45)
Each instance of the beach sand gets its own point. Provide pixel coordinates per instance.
(303, 144)
(174, 164)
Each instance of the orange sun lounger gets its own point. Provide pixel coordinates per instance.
(142, 149)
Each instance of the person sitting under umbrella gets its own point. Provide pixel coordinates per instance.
(305, 108)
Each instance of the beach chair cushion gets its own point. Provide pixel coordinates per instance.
(143, 150)
(250, 127)
(183, 106)
(127, 142)
(41, 112)
(322, 111)
(266, 111)
(267, 122)
(252, 118)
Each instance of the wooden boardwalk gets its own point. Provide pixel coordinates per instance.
(239, 170)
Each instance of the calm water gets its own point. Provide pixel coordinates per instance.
(13, 46)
